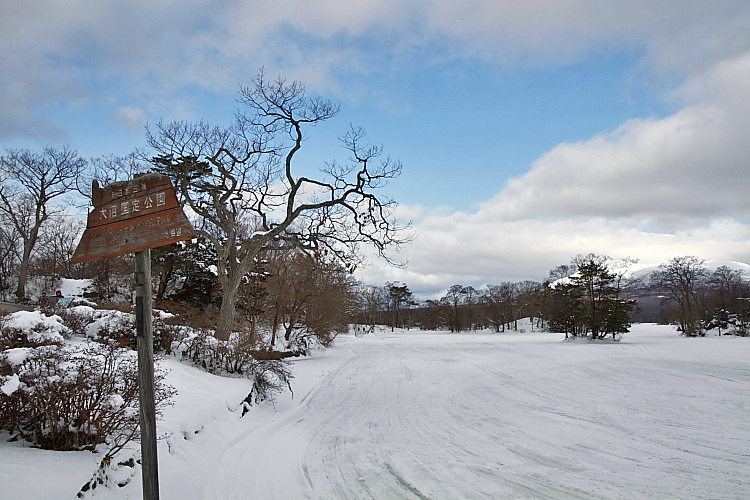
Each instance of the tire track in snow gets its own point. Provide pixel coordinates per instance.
(262, 461)
(442, 417)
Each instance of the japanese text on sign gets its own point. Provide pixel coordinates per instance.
(132, 206)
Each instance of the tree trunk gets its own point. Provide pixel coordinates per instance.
(230, 278)
(227, 312)
(24, 269)
(275, 325)
(288, 330)
(164, 276)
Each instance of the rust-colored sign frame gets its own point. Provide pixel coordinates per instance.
(131, 216)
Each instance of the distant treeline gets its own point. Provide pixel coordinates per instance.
(594, 296)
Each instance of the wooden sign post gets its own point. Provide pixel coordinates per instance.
(133, 217)
(145, 341)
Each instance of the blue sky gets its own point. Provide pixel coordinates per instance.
(529, 131)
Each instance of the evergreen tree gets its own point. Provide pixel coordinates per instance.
(566, 308)
(589, 300)
(400, 297)
(595, 282)
(193, 271)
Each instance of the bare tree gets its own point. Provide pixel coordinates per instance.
(291, 280)
(57, 242)
(309, 297)
(729, 286)
(453, 298)
(508, 293)
(9, 254)
(729, 300)
(680, 280)
(562, 271)
(431, 315)
(470, 297)
(372, 305)
(493, 300)
(31, 180)
(529, 301)
(108, 169)
(240, 183)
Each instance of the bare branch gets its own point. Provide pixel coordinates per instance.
(30, 181)
(240, 181)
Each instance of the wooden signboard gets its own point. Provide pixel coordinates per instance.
(131, 216)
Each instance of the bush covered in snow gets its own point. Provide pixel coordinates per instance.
(108, 325)
(77, 318)
(72, 397)
(240, 355)
(66, 396)
(31, 329)
(113, 326)
(728, 323)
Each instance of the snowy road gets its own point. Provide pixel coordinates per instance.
(433, 415)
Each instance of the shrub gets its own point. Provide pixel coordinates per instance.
(270, 376)
(121, 305)
(238, 356)
(31, 329)
(114, 327)
(64, 397)
(188, 314)
(165, 334)
(77, 318)
(119, 327)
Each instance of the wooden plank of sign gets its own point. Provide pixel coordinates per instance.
(133, 235)
(131, 216)
(142, 203)
(128, 189)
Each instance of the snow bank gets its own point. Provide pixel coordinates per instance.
(40, 328)
(73, 288)
(437, 415)
(163, 314)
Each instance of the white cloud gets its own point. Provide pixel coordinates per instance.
(540, 32)
(55, 54)
(471, 249)
(151, 49)
(653, 189)
(130, 118)
(690, 165)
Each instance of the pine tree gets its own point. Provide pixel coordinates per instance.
(595, 282)
(566, 309)
(589, 300)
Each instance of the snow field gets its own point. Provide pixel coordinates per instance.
(436, 415)
(414, 415)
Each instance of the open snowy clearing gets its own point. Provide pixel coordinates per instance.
(442, 416)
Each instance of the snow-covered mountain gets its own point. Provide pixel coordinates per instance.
(643, 270)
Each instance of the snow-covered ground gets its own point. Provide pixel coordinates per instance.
(443, 416)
